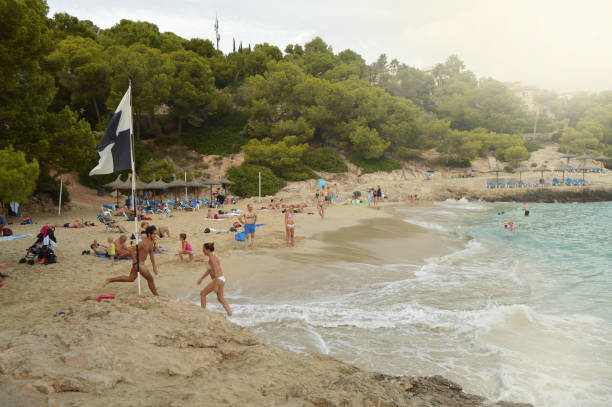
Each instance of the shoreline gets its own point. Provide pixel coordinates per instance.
(61, 347)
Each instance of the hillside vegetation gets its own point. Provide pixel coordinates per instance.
(63, 77)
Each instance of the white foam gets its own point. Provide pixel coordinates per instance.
(426, 225)
(462, 203)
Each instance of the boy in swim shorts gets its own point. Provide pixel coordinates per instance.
(249, 219)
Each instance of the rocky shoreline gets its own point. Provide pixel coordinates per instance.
(157, 352)
(543, 195)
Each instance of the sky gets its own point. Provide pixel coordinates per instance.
(558, 45)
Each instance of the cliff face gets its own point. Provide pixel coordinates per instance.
(157, 352)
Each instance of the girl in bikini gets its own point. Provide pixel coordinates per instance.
(185, 248)
(218, 279)
(290, 226)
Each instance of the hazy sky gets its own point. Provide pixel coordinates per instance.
(553, 44)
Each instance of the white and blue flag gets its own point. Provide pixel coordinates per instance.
(115, 148)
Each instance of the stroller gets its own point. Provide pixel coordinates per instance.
(42, 249)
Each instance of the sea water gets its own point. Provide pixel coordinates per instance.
(523, 316)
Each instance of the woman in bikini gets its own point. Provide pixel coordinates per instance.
(290, 226)
(218, 279)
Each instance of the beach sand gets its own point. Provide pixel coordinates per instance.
(60, 347)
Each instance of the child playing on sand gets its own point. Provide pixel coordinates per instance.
(185, 248)
(111, 250)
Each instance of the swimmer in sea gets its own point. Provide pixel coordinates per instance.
(218, 279)
(526, 208)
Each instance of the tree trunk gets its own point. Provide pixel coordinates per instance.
(180, 126)
(95, 103)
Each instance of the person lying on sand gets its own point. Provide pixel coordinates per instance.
(163, 231)
(76, 224)
(98, 248)
(139, 254)
(211, 215)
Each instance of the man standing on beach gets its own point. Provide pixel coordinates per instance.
(249, 218)
(139, 254)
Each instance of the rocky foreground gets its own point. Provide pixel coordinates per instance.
(156, 352)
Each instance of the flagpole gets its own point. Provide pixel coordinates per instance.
(185, 185)
(134, 189)
(59, 206)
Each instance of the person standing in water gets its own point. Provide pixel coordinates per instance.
(526, 208)
(218, 279)
(139, 254)
(290, 226)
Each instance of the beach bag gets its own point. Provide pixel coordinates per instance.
(236, 224)
(207, 230)
(7, 232)
(240, 237)
(26, 221)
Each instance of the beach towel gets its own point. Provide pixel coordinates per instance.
(105, 256)
(162, 251)
(14, 237)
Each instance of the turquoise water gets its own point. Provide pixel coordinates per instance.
(524, 317)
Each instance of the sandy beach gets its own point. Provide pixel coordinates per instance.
(60, 347)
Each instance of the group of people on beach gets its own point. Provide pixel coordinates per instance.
(146, 247)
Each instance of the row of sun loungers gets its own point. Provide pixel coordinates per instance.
(555, 182)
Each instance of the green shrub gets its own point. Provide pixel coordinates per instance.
(406, 153)
(295, 173)
(452, 160)
(50, 185)
(531, 146)
(222, 135)
(534, 165)
(556, 136)
(325, 159)
(509, 168)
(375, 164)
(245, 178)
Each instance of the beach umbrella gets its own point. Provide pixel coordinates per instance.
(225, 182)
(117, 184)
(156, 185)
(601, 159)
(175, 184)
(211, 182)
(496, 170)
(196, 184)
(568, 156)
(583, 158)
(583, 169)
(521, 170)
(562, 169)
(541, 171)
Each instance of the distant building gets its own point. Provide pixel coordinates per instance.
(528, 95)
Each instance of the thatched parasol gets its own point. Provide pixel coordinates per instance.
(583, 158)
(211, 182)
(496, 170)
(156, 185)
(196, 184)
(521, 170)
(117, 184)
(541, 171)
(568, 156)
(562, 169)
(601, 159)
